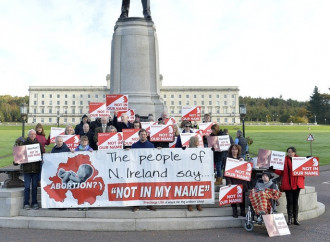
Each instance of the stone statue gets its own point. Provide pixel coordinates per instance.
(146, 9)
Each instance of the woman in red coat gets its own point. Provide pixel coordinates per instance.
(291, 185)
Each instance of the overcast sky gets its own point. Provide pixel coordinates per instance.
(267, 48)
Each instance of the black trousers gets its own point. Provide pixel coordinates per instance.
(241, 205)
(292, 197)
(145, 5)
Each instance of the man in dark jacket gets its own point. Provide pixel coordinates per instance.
(79, 127)
(31, 174)
(60, 146)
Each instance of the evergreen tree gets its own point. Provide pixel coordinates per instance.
(316, 106)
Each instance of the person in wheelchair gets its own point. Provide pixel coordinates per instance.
(264, 196)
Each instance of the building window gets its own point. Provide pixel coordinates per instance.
(226, 120)
(103, 96)
(42, 102)
(66, 95)
(195, 103)
(172, 102)
(218, 110)
(218, 96)
(180, 111)
(66, 102)
(35, 102)
(202, 102)
(73, 95)
(81, 103)
(42, 120)
(233, 120)
(218, 120)
(50, 102)
(210, 102)
(172, 96)
(42, 110)
(65, 111)
(202, 96)
(233, 96)
(210, 95)
(73, 120)
(187, 96)
(225, 96)
(96, 96)
(81, 111)
(65, 120)
(179, 95)
(187, 103)
(233, 103)
(81, 96)
(73, 111)
(58, 96)
(34, 120)
(89, 96)
(195, 96)
(42, 95)
(50, 120)
(180, 103)
(50, 95)
(58, 102)
(73, 102)
(35, 95)
(164, 96)
(35, 110)
(225, 102)
(50, 110)
(218, 103)
(165, 102)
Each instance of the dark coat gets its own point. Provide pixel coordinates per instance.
(290, 182)
(63, 148)
(120, 125)
(178, 141)
(235, 181)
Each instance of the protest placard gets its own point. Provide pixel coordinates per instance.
(130, 113)
(72, 141)
(219, 143)
(131, 136)
(230, 194)
(112, 140)
(170, 120)
(117, 102)
(172, 144)
(128, 178)
(276, 224)
(97, 110)
(161, 133)
(238, 169)
(54, 132)
(191, 113)
(147, 125)
(213, 142)
(305, 166)
(267, 158)
(185, 137)
(205, 128)
(27, 153)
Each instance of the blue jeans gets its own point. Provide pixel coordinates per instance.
(28, 179)
(218, 166)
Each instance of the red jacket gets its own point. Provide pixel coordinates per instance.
(43, 141)
(290, 182)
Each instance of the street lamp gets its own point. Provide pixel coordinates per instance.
(58, 120)
(242, 112)
(23, 108)
(314, 119)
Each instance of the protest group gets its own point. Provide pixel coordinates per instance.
(118, 160)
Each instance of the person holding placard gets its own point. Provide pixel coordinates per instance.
(69, 130)
(79, 127)
(87, 132)
(291, 185)
(234, 152)
(124, 124)
(31, 173)
(104, 128)
(186, 129)
(217, 155)
(60, 146)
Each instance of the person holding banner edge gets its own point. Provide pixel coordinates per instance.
(291, 185)
(234, 152)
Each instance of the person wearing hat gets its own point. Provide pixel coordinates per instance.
(266, 182)
(79, 127)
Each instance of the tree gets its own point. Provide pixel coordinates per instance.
(316, 106)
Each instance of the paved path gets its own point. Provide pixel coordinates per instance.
(317, 229)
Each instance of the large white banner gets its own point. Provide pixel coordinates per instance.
(128, 178)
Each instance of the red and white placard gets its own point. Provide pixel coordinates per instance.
(219, 143)
(72, 141)
(117, 102)
(276, 224)
(185, 137)
(27, 153)
(303, 166)
(172, 144)
(113, 140)
(97, 110)
(170, 120)
(191, 113)
(161, 133)
(238, 169)
(131, 136)
(146, 126)
(205, 128)
(230, 194)
(54, 132)
(130, 113)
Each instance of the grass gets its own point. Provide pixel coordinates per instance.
(264, 137)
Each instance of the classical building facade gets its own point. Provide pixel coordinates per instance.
(67, 104)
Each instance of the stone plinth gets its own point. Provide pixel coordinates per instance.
(135, 65)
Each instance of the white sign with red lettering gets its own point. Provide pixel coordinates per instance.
(230, 194)
(112, 140)
(130, 113)
(97, 110)
(191, 113)
(170, 120)
(131, 136)
(72, 141)
(161, 133)
(54, 132)
(172, 144)
(185, 137)
(205, 128)
(238, 169)
(303, 166)
(224, 142)
(27, 153)
(117, 102)
(147, 125)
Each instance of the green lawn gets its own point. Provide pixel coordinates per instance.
(264, 137)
